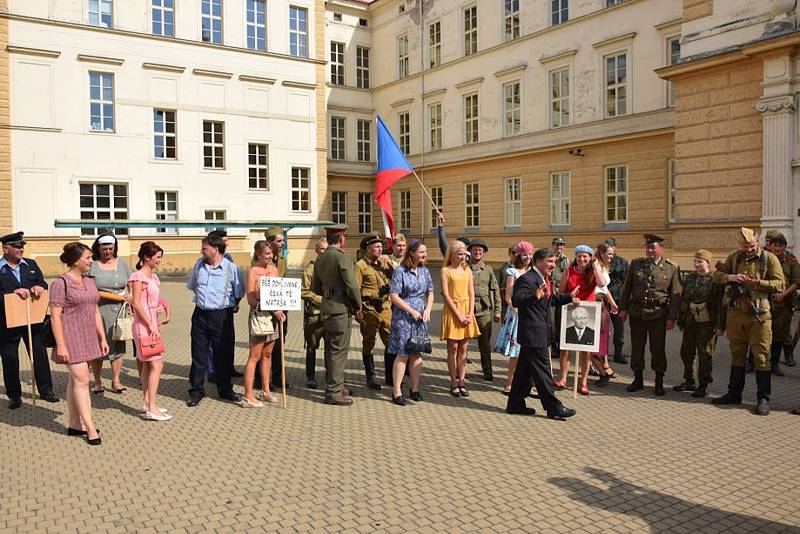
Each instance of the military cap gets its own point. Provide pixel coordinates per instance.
(745, 236)
(273, 232)
(652, 239)
(218, 233)
(558, 240)
(478, 243)
(612, 241)
(334, 229)
(776, 237)
(703, 255)
(369, 240)
(464, 239)
(14, 240)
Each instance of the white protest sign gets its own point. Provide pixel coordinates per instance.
(280, 293)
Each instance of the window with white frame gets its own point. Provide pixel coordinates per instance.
(101, 13)
(337, 63)
(364, 140)
(258, 166)
(559, 9)
(163, 15)
(437, 195)
(511, 19)
(512, 202)
(103, 202)
(435, 125)
(301, 190)
(616, 66)
(362, 67)
(364, 213)
(298, 31)
(402, 56)
(616, 193)
(404, 126)
(559, 198)
(471, 118)
(213, 216)
(610, 3)
(559, 97)
(213, 145)
(101, 101)
(470, 30)
(435, 44)
(211, 21)
(512, 125)
(405, 210)
(165, 140)
(672, 171)
(673, 56)
(257, 24)
(472, 215)
(337, 138)
(167, 210)
(339, 207)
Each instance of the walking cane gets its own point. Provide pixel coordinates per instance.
(30, 349)
(283, 363)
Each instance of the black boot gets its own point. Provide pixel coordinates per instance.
(688, 385)
(701, 391)
(638, 381)
(388, 368)
(311, 363)
(619, 357)
(788, 356)
(735, 388)
(763, 390)
(659, 389)
(369, 370)
(775, 359)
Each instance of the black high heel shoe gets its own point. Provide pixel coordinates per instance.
(415, 396)
(95, 441)
(399, 400)
(77, 431)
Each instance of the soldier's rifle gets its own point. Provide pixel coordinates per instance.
(740, 294)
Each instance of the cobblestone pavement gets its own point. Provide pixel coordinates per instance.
(625, 463)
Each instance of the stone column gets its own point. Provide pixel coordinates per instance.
(779, 144)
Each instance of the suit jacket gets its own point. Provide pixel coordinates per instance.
(534, 318)
(29, 276)
(586, 339)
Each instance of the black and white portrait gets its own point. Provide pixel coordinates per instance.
(580, 327)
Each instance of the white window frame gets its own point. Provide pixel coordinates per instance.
(112, 210)
(164, 135)
(300, 198)
(512, 111)
(472, 205)
(437, 195)
(339, 207)
(338, 138)
(560, 205)
(213, 145)
(512, 202)
(258, 166)
(402, 56)
(298, 38)
(364, 139)
(672, 171)
(559, 12)
(470, 27)
(337, 63)
(435, 44)
(364, 213)
(671, 60)
(106, 82)
(163, 11)
(511, 20)
(404, 131)
(252, 23)
(163, 210)
(214, 215)
(471, 116)
(362, 67)
(103, 10)
(213, 36)
(616, 194)
(616, 87)
(405, 210)
(435, 125)
(560, 106)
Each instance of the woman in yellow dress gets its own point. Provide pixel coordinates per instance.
(458, 318)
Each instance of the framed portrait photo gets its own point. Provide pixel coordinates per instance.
(580, 326)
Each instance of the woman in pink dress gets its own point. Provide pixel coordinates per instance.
(145, 289)
(79, 333)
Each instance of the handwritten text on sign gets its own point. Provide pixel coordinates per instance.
(280, 293)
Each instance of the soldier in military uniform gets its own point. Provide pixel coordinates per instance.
(619, 268)
(750, 275)
(313, 328)
(373, 275)
(699, 320)
(334, 279)
(562, 264)
(487, 302)
(782, 304)
(651, 297)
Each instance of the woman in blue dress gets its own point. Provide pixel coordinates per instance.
(411, 293)
(507, 338)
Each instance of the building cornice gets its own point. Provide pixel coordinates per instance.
(669, 24)
(614, 40)
(516, 69)
(298, 85)
(163, 67)
(351, 109)
(403, 102)
(32, 51)
(469, 83)
(558, 56)
(30, 128)
(434, 92)
(212, 73)
(100, 59)
(256, 79)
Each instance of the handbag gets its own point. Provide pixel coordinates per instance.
(260, 323)
(419, 342)
(151, 347)
(123, 326)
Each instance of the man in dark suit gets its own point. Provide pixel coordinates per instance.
(533, 297)
(22, 276)
(579, 333)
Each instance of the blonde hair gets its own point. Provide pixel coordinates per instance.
(452, 250)
(321, 241)
(258, 248)
(399, 238)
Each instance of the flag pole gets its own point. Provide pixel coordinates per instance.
(430, 199)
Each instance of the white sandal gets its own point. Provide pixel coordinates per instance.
(247, 403)
(149, 416)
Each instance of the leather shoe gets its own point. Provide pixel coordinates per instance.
(340, 401)
(686, 385)
(762, 408)
(311, 383)
(13, 404)
(796, 411)
(416, 396)
(194, 401)
(488, 377)
(372, 384)
(399, 400)
(619, 358)
(560, 412)
(49, 397)
(346, 391)
(231, 397)
(776, 370)
(520, 410)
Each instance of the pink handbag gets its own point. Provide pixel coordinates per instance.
(151, 347)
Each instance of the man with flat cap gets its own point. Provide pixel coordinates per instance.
(651, 297)
(487, 302)
(275, 235)
(782, 303)
(23, 277)
(335, 280)
(750, 275)
(617, 273)
(562, 264)
(373, 276)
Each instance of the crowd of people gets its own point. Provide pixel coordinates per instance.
(100, 303)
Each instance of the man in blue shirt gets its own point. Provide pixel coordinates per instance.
(218, 288)
(22, 276)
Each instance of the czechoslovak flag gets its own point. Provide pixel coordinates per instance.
(392, 165)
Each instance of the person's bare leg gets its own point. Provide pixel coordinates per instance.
(79, 373)
(250, 370)
(153, 378)
(586, 363)
(399, 371)
(563, 359)
(461, 362)
(97, 367)
(116, 372)
(452, 349)
(266, 369)
(415, 370)
(512, 366)
(144, 378)
(72, 409)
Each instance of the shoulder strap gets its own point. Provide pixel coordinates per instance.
(762, 263)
